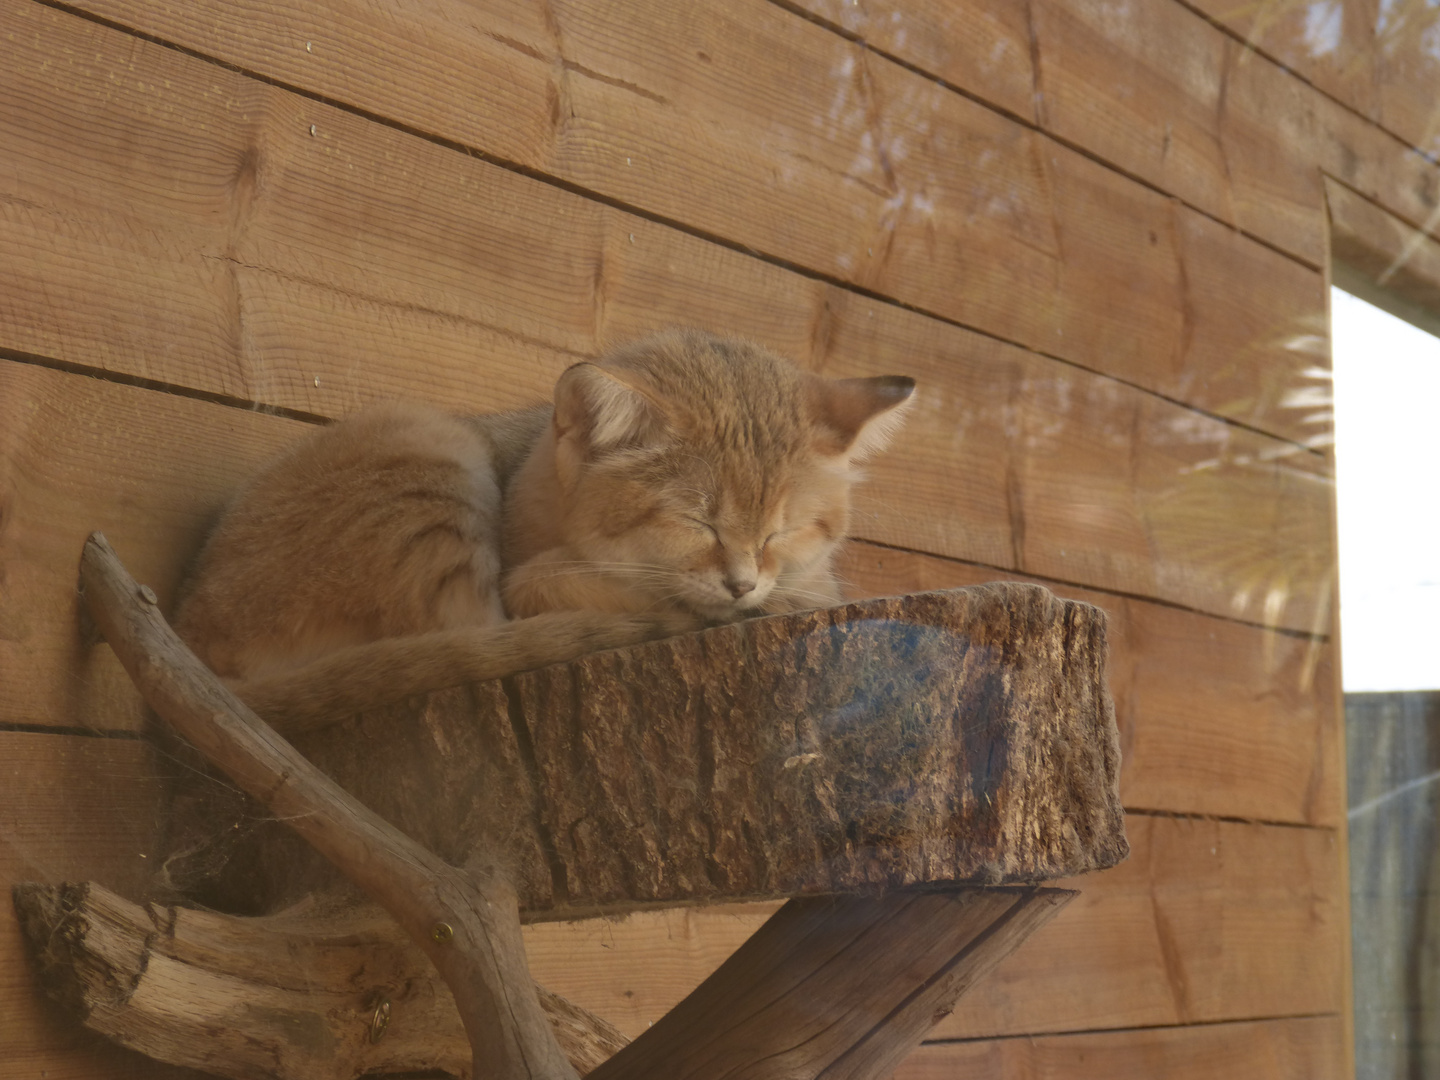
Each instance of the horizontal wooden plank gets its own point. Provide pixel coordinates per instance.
(1309, 1048)
(72, 808)
(1383, 64)
(1215, 717)
(151, 471)
(981, 46)
(754, 125)
(1016, 461)
(1207, 921)
(1383, 260)
(1159, 502)
(1144, 87)
(1158, 89)
(1160, 92)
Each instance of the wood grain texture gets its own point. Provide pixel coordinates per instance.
(1159, 92)
(1206, 921)
(294, 995)
(815, 162)
(983, 47)
(77, 454)
(1300, 1049)
(1383, 66)
(841, 987)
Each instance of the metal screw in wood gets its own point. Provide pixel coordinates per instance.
(380, 1019)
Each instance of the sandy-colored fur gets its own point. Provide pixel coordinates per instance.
(685, 479)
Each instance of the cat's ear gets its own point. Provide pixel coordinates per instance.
(597, 410)
(858, 417)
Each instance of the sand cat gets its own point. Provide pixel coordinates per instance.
(682, 480)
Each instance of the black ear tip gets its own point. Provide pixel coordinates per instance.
(899, 387)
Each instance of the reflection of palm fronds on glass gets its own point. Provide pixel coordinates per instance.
(1285, 375)
(1279, 571)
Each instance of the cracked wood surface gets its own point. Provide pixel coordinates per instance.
(315, 991)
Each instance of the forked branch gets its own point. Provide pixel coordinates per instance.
(467, 923)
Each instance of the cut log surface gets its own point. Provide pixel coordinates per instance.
(958, 736)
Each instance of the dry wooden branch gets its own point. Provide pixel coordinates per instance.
(466, 923)
(333, 992)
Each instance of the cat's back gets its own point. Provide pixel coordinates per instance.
(381, 525)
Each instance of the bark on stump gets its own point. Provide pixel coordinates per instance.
(961, 736)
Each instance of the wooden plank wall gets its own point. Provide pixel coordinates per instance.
(1095, 232)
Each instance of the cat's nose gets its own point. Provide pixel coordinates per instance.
(739, 587)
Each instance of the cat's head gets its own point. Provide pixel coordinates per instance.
(714, 474)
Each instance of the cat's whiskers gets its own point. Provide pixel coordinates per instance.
(788, 592)
(631, 571)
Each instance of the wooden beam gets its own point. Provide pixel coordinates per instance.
(849, 986)
(1382, 259)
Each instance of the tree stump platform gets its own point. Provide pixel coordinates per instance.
(906, 769)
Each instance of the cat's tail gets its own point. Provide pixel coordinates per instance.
(378, 673)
